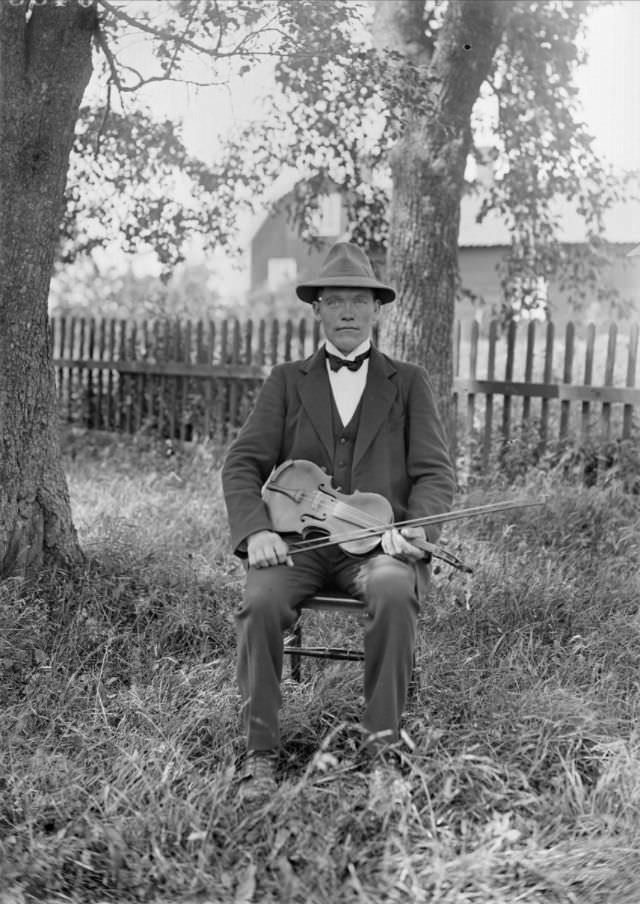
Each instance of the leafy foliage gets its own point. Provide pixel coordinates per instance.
(339, 109)
(185, 35)
(544, 152)
(132, 181)
(84, 289)
(340, 113)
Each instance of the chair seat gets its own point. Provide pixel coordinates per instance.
(327, 601)
(334, 600)
(330, 601)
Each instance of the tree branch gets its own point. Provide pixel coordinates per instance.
(216, 52)
(128, 89)
(182, 38)
(161, 33)
(105, 116)
(114, 77)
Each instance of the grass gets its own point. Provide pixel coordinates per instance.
(120, 738)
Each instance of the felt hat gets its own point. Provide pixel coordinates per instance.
(348, 267)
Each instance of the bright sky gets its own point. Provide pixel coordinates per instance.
(610, 82)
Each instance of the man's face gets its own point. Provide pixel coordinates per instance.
(347, 316)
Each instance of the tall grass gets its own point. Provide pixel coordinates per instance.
(521, 753)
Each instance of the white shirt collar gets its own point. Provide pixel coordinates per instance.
(350, 357)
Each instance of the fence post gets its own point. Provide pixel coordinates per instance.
(221, 388)
(84, 419)
(123, 379)
(508, 376)
(63, 383)
(471, 397)
(546, 378)
(627, 414)
(133, 394)
(100, 376)
(273, 344)
(585, 414)
(302, 336)
(488, 412)
(528, 375)
(565, 405)
(211, 345)
(288, 336)
(455, 402)
(233, 384)
(608, 379)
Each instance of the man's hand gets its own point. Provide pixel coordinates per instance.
(266, 548)
(398, 543)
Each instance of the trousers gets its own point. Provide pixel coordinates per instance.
(272, 596)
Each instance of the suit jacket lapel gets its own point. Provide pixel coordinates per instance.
(377, 399)
(315, 395)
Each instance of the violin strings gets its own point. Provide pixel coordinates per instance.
(311, 544)
(365, 530)
(362, 519)
(376, 527)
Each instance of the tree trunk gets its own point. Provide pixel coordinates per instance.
(427, 169)
(45, 64)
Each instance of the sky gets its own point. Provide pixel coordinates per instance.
(609, 91)
(610, 83)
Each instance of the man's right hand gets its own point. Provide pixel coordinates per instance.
(266, 548)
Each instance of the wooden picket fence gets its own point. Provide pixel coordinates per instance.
(529, 381)
(181, 380)
(197, 380)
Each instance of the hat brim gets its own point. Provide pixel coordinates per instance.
(308, 291)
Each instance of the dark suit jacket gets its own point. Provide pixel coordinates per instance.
(400, 452)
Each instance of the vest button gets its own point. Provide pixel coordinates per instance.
(342, 439)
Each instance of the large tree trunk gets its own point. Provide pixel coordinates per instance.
(45, 64)
(427, 169)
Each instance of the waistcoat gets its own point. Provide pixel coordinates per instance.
(344, 441)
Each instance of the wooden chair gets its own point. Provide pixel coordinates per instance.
(329, 601)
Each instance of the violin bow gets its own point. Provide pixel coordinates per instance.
(438, 552)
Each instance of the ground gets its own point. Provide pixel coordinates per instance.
(520, 759)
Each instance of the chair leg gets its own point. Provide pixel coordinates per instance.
(414, 680)
(296, 659)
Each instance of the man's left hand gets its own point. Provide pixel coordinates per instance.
(398, 543)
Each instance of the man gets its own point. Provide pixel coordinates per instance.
(372, 423)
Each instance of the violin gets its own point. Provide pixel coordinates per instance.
(301, 500)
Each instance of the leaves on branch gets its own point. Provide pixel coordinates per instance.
(339, 117)
(132, 182)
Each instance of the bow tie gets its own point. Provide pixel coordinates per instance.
(335, 363)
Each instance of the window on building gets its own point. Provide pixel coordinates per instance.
(281, 271)
(327, 221)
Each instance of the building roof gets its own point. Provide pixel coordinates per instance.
(622, 224)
